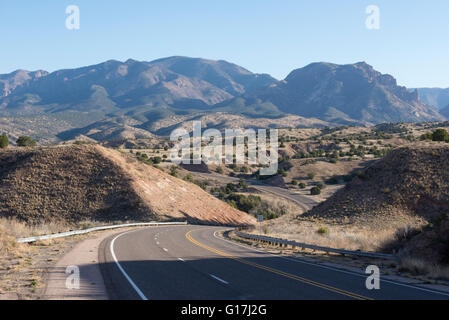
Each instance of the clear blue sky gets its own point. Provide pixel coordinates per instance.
(266, 36)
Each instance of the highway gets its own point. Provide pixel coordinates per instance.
(304, 202)
(196, 263)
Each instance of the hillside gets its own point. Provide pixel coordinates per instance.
(9, 82)
(409, 185)
(78, 183)
(110, 86)
(435, 97)
(445, 111)
(344, 93)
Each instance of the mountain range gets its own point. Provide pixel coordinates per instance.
(435, 97)
(155, 97)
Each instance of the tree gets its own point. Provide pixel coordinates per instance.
(440, 135)
(25, 141)
(4, 141)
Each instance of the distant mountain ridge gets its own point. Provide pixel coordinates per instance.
(145, 95)
(9, 82)
(343, 93)
(113, 85)
(445, 111)
(435, 97)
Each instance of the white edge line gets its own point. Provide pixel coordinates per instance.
(181, 259)
(331, 268)
(217, 278)
(136, 288)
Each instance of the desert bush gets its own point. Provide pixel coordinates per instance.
(321, 185)
(4, 141)
(440, 135)
(322, 231)
(315, 191)
(25, 141)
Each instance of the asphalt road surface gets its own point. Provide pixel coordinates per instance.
(305, 202)
(195, 263)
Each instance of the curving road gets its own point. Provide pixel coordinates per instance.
(194, 263)
(304, 202)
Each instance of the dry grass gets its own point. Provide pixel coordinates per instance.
(350, 237)
(418, 266)
(23, 266)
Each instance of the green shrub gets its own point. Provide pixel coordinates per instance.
(188, 178)
(156, 160)
(25, 141)
(302, 185)
(440, 135)
(322, 231)
(321, 185)
(311, 176)
(4, 141)
(315, 191)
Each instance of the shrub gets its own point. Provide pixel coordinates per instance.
(311, 175)
(440, 135)
(4, 141)
(25, 141)
(322, 231)
(315, 191)
(156, 160)
(321, 185)
(219, 170)
(302, 185)
(173, 171)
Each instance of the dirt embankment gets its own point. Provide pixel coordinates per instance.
(410, 186)
(75, 183)
(411, 181)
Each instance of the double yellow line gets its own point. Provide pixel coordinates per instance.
(282, 273)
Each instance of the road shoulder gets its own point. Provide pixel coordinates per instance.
(83, 256)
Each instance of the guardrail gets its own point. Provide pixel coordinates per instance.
(312, 247)
(77, 232)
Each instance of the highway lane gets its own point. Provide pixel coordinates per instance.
(194, 263)
(305, 202)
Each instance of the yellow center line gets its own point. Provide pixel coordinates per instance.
(279, 272)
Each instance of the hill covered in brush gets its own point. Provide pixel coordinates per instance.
(76, 183)
(407, 190)
(411, 182)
